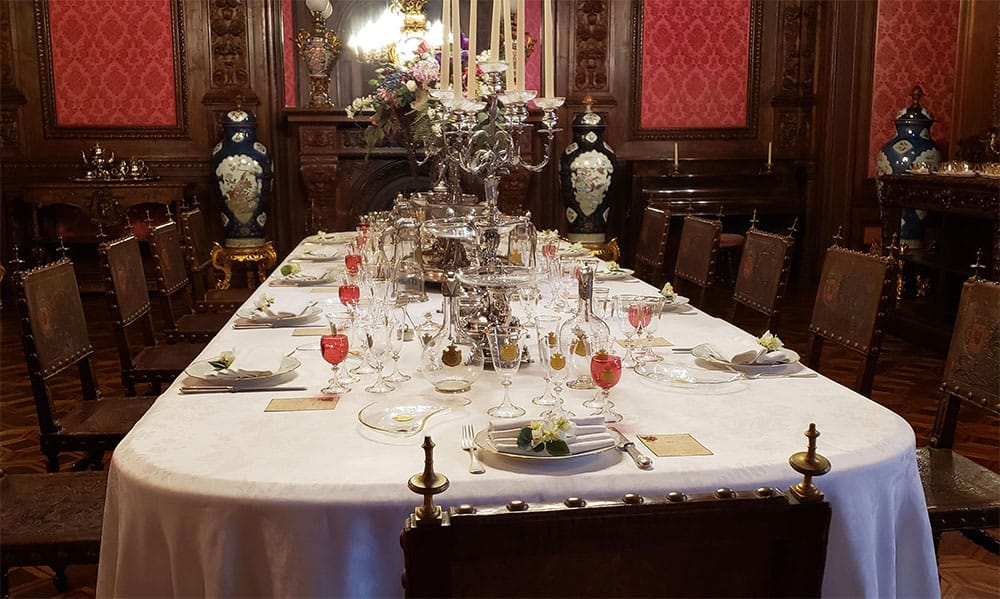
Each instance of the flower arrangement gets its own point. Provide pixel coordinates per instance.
(667, 291)
(224, 361)
(547, 435)
(613, 266)
(263, 303)
(770, 341)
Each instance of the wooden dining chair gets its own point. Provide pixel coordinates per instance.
(173, 285)
(851, 303)
(54, 336)
(128, 300)
(962, 495)
(199, 261)
(651, 252)
(50, 520)
(770, 544)
(696, 255)
(763, 273)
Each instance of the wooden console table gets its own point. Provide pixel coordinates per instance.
(964, 217)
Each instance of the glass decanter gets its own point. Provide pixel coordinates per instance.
(451, 360)
(583, 333)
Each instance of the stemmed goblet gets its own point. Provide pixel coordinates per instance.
(622, 315)
(379, 329)
(546, 327)
(553, 357)
(505, 347)
(397, 318)
(606, 370)
(335, 349)
(653, 307)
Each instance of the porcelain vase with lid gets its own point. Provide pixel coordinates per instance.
(586, 170)
(242, 169)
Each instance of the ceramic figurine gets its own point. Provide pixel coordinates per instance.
(242, 168)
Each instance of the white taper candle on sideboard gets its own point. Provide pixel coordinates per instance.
(768, 153)
(521, 14)
(495, 32)
(508, 44)
(471, 86)
(676, 156)
(549, 47)
(445, 44)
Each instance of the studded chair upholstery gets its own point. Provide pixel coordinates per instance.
(851, 303)
(651, 252)
(173, 284)
(128, 300)
(961, 494)
(771, 544)
(50, 519)
(696, 255)
(54, 335)
(763, 273)
(199, 261)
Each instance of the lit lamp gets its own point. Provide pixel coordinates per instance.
(396, 35)
(320, 49)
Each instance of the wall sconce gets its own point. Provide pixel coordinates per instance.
(320, 49)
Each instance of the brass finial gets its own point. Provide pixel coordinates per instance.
(100, 232)
(62, 246)
(428, 483)
(753, 220)
(129, 228)
(794, 228)
(978, 266)
(809, 464)
(839, 237)
(149, 219)
(16, 260)
(195, 204)
(722, 212)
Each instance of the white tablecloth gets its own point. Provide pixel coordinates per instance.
(211, 496)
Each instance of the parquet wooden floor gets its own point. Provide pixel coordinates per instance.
(907, 382)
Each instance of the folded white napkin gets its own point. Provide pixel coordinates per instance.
(287, 309)
(590, 434)
(251, 363)
(743, 351)
(319, 253)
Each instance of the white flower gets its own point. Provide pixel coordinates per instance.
(612, 265)
(411, 85)
(263, 302)
(667, 291)
(770, 341)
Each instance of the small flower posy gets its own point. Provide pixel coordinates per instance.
(612, 265)
(667, 291)
(770, 341)
(547, 435)
(224, 361)
(290, 269)
(263, 302)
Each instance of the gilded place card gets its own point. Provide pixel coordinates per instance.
(644, 342)
(330, 289)
(669, 446)
(302, 404)
(311, 332)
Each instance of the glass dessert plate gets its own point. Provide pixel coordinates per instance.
(390, 416)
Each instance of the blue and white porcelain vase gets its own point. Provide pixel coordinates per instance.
(586, 170)
(912, 146)
(242, 168)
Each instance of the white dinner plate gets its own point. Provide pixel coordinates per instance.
(614, 275)
(333, 237)
(203, 371)
(675, 302)
(484, 442)
(684, 376)
(700, 352)
(279, 319)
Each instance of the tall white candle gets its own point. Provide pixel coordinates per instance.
(470, 84)
(521, 14)
(768, 153)
(549, 45)
(445, 43)
(508, 45)
(456, 54)
(676, 163)
(495, 32)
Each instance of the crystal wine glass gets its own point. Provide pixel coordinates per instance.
(397, 318)
(621, 315)
(546, 325)
(553, 357)
(606, 370)
(352, 260)
(366, 311)
(379, 329)
(505, 347)
(335, 349)
(653, 305)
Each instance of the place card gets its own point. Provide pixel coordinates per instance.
(302, 404)
(311, 332)
(654, 342)
(327, 289)
(668, 446)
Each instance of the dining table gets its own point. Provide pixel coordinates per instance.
(212, 495)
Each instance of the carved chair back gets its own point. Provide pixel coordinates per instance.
(53, 333)
(199, 251)
(771, 545)
(697, 253)
(171, 275)
(850, 307)
(763, 272)
(651, 252)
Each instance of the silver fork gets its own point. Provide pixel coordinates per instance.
(475, 466)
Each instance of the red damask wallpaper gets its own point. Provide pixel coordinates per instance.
(533, 65)
(113, 63)
(916, 44)
(288, 51)
(695, 58)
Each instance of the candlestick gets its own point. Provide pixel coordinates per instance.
(495, 33)
(549, 44)
(521, 14)
(508, 45)
(445, 43)
(768, 153)
(675, 155)
(456, 54)
(471, 87)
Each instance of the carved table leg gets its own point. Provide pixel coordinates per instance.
(220, 260)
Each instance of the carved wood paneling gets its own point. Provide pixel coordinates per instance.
(8, 130)
(228, 29)
(319, 177)
(6, 48)
(590, 68)
(46, 76)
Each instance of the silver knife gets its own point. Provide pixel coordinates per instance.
(232, 389)
(641, 460)
(254, 325)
